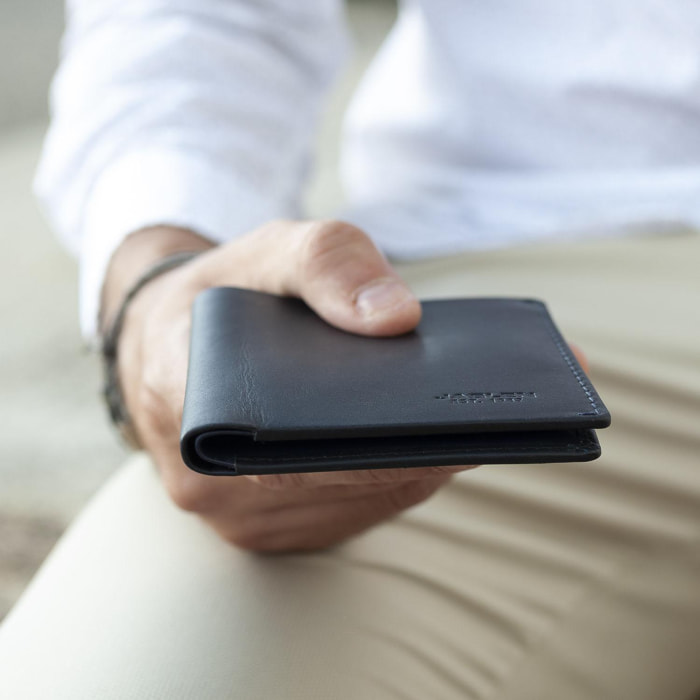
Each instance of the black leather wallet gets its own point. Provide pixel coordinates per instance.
(272, 388)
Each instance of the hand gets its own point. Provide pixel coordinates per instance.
(340, 274)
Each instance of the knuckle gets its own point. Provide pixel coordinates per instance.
(247, 539)
(191, 492)
(272, 227)
(270, 533)
(326, 241)
(252, 535)
(411, 493)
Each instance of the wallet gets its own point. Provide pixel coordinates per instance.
(272, 388)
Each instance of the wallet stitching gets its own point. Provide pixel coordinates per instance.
(563, 350)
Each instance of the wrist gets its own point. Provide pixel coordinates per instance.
(138, 252)
(141, 264)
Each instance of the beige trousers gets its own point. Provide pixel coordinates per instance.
(529, 582)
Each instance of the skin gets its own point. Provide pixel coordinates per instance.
(341, 275)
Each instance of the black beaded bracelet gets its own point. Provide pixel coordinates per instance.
(112, 391)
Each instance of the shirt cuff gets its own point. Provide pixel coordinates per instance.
(150, 188)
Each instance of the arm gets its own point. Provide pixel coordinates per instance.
(195, 113)
(181, 126)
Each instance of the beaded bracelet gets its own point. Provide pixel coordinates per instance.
(112, 391)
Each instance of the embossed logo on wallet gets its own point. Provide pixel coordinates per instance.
(481, 397)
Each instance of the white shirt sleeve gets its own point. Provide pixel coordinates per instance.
(195, 113)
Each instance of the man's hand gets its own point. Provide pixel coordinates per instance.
(340, 274)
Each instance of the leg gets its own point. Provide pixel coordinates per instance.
(566, 581)
(622, 533)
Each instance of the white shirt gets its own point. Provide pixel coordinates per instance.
(480, 124)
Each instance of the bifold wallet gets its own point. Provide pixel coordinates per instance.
(272, 388)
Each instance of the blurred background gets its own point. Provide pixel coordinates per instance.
(56, 446)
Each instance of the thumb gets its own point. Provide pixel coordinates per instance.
(341, 274)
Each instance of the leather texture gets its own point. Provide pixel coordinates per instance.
(272, 388)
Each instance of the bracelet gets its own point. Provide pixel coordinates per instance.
(112, 390)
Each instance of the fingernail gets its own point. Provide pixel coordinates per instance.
(381, 296)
